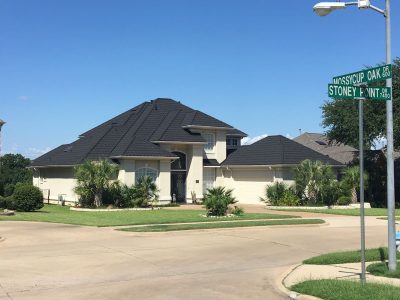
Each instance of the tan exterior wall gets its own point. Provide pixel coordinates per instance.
(249, 184)
(56, 181)
(127, 171)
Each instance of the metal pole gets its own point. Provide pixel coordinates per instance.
(390, 164)
(361, 158)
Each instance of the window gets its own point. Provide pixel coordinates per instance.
(232, 142)
(210, 139)
(180, 163)
(152, 173)
(208, 179)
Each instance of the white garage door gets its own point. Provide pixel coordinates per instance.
(249, 185)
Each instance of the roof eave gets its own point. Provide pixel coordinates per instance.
(206, 127)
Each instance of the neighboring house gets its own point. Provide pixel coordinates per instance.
(182, 149)
(320, 142)
(248, 170)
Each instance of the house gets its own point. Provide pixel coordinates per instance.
(185, 151)
(320, 143)
(249, 169)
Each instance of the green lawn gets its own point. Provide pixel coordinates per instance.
(158, 228)
(344, 257)
(381, 269)
(346, 212)
(330, 289)
(62, 214)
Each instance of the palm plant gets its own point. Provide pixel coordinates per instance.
(217, 201)
(144, 192)
(352, 180)
(311, 177)
(93, 178)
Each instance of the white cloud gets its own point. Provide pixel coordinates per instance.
(23, 98)
(289, 136)
(250, 140)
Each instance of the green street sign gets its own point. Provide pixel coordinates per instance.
(365, 76)
(341, 91)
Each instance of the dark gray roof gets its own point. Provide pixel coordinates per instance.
(236, 132)
(275, 150)
(320, 142)
(134, 133)
(210, 162)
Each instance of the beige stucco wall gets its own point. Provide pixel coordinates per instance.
(57, 181)
(249, 184)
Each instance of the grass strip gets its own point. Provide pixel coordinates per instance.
(62, 214)
(381, 269)
(378, 254)
(177, 227)
(375, 212)
(331, 289)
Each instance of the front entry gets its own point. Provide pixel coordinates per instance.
(178, 186)
(178, 177)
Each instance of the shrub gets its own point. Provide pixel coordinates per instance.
(275, 192)
(9, 189)
(143, 193)
(344, 200)
(289, 199)
(237, 211)
(9, 203)
(217, 201)
(27, 198)
(2, 202)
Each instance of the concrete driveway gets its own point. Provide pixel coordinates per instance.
(55, 261)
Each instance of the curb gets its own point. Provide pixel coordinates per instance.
(291, 294)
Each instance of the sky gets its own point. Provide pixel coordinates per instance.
(261, 66)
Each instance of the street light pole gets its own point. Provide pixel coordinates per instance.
(324, 8)
(392, 264)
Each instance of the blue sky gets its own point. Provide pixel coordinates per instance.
(261, 66)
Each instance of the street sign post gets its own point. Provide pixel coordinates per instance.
(352, 92)
(365, 76)
(354, 86)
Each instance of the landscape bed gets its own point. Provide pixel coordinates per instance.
(62, 214)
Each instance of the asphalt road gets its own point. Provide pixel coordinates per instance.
(56, 261)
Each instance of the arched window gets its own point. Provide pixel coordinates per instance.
(141, 172)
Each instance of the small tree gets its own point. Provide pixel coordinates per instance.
(352, 180)
(217, 201)
(93, 178)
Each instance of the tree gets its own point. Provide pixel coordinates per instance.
(352, 180)
(93, 178)
(13, 169)
(341, 122)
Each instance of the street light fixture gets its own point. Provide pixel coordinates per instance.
(323, 9)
